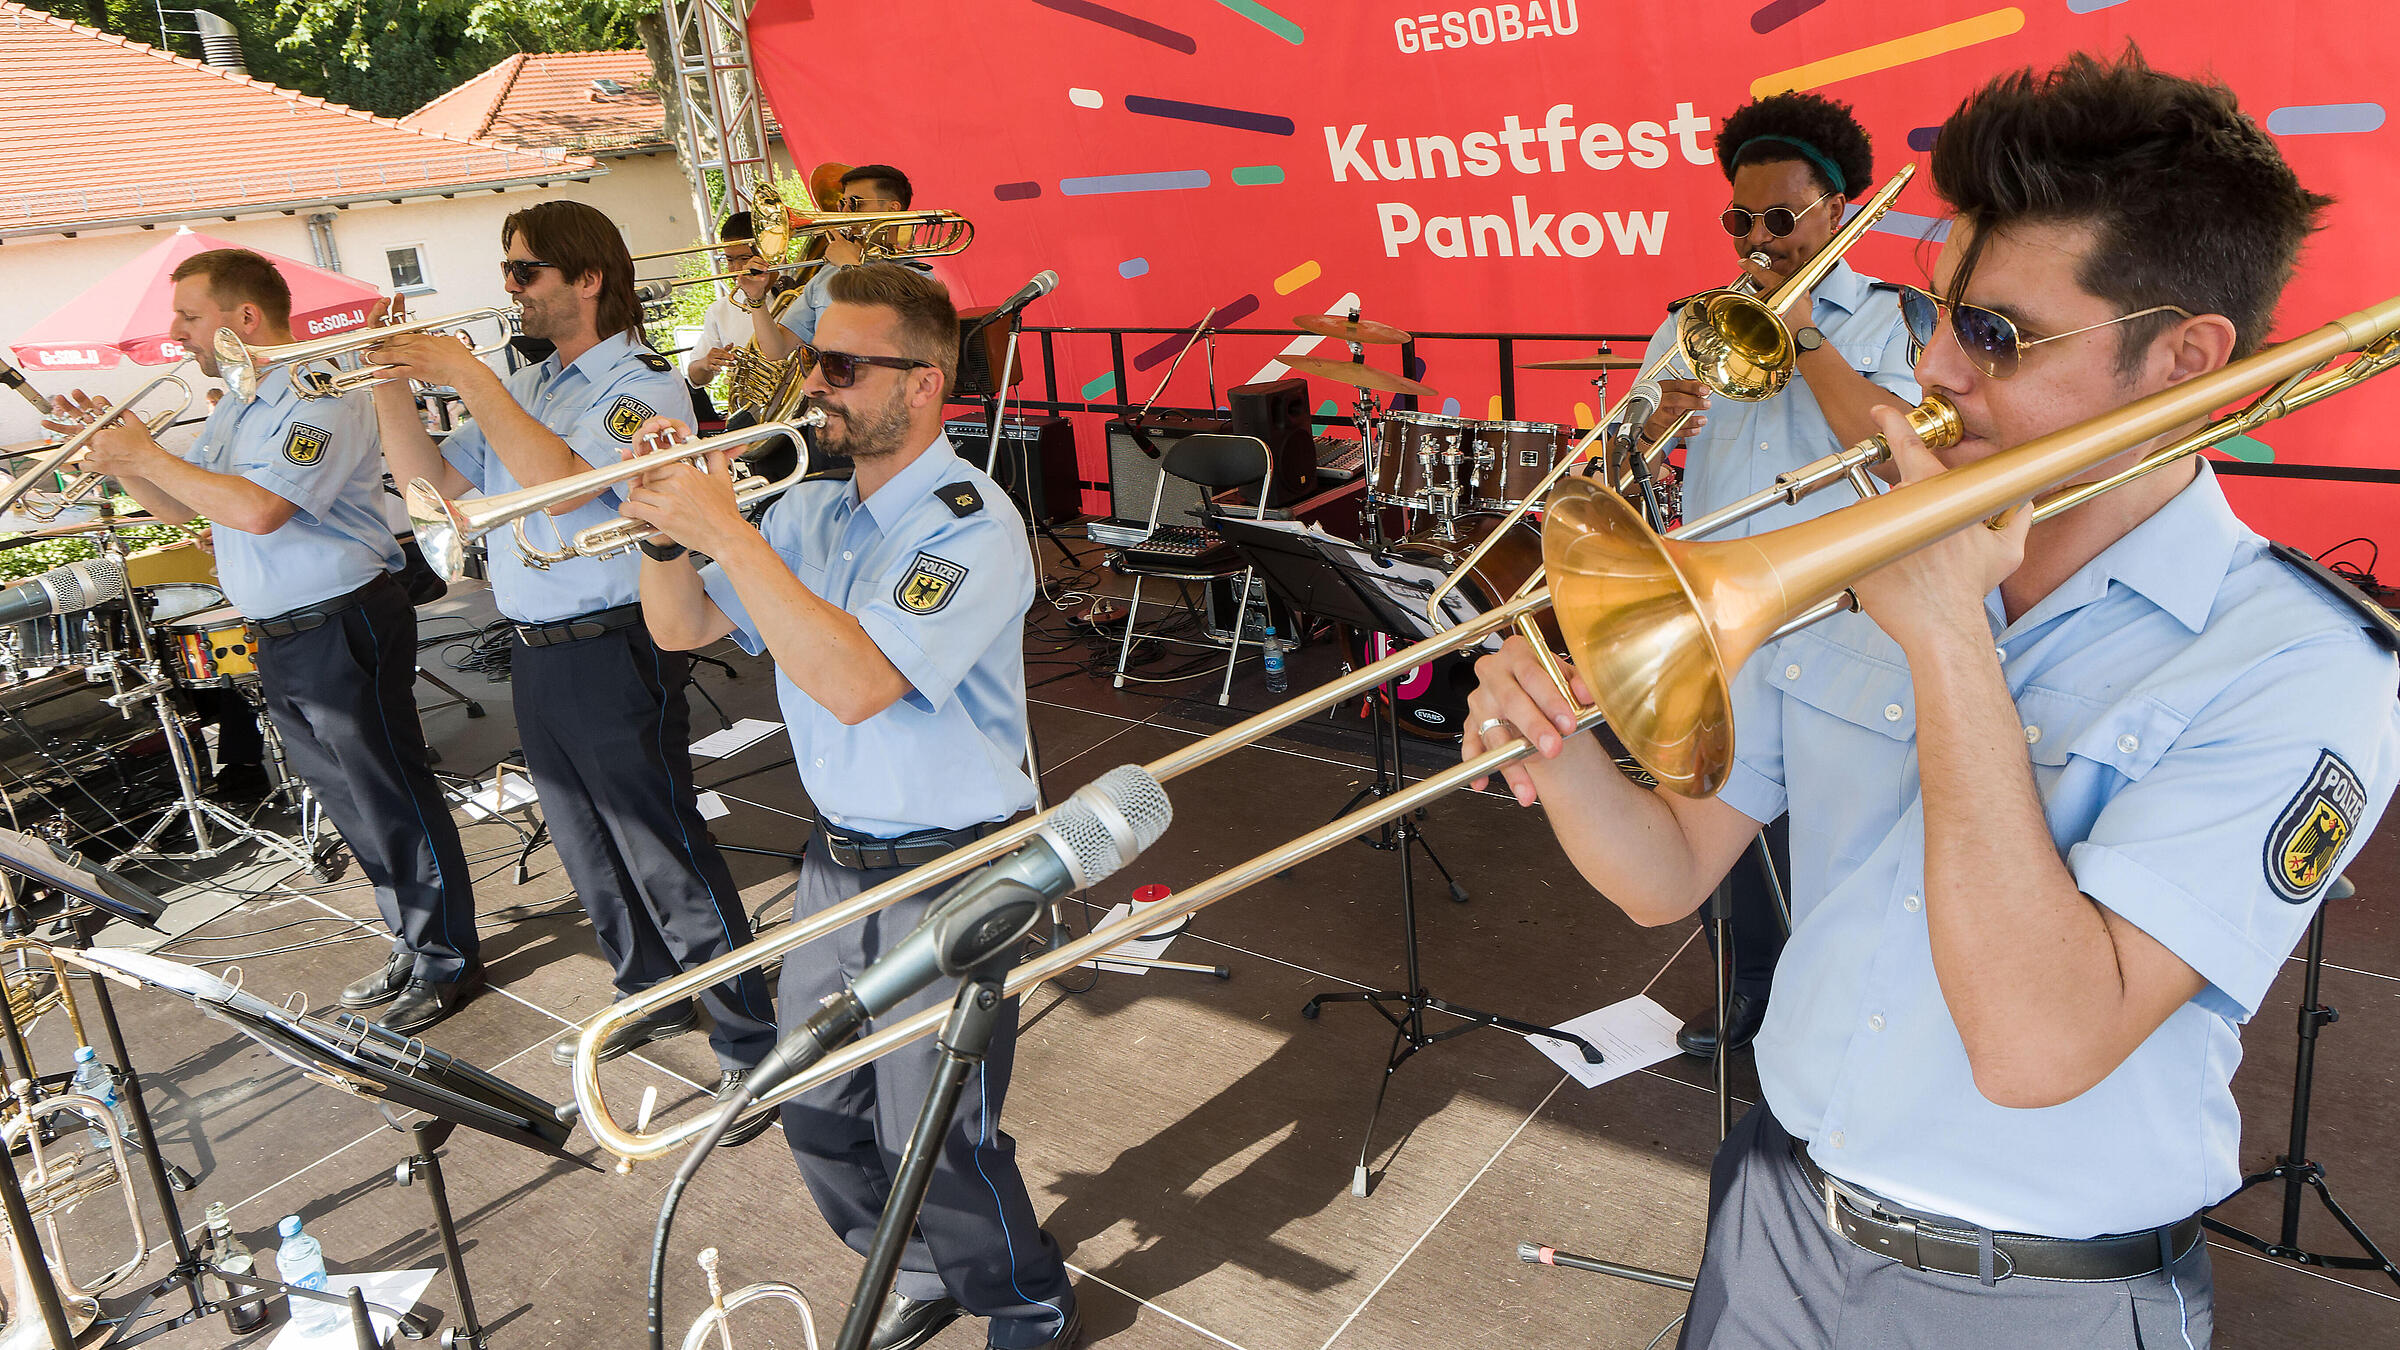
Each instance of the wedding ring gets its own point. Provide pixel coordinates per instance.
(1484, 727)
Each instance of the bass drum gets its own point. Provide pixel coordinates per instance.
(1433, 697)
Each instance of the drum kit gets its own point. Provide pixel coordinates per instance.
(167, 629)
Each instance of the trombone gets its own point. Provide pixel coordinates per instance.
(72, 447)
(444, 527)
(879, 234)
(242, 366)
(1731, 339)
(1657, 625)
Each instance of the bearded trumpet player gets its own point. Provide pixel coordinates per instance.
(2063, 796)
(601, 709)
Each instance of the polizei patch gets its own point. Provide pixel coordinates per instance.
(2308, 837)
(626, 415)
(930, 583)
(306, 444)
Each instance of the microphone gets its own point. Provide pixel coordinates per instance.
(1640, 405)
(63, 590)
(1105, 825)
(15, 379)
(1028, 293)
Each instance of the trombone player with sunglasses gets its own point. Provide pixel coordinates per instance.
(601, 710)
(1795, 163)
(2063, 796)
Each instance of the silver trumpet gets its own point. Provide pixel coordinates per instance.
(445, 527)
(720, 1304)
(241, 366)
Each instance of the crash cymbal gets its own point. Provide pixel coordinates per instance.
(1358, 376)
(18, 527)
(1349, 330)
(1608, 362)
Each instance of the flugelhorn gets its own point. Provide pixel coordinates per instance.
(722, 1304)
(1657, 627)
(55, 1186)
(444, 527)
(1732, 339)
(612, 537)
(241, 366)
(69, 449)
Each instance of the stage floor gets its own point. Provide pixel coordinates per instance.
(1190, 1142)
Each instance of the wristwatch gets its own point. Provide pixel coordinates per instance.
(1808, 339)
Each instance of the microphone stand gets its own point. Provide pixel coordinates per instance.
(994, 406)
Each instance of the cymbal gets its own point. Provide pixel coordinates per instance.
(1349, 330)
(17, 527)
(1358, 376)
(1605, 362)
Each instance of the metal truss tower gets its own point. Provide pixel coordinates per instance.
(724, 121)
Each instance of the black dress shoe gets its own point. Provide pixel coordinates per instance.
(384, 985)
(239, 783)
(746, 1130)
(425, 1002)
(1069, 1333)
(658, 1026)
(1699, 1036)
(908, 1323)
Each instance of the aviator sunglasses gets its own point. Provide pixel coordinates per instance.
(1991, 340)
(841, 368)
(1781, 220)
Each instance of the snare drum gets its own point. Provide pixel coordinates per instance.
(1418, 457)
(213, 649)
(1522, 454)
(62, 640)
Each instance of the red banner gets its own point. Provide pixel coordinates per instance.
(1541, 166)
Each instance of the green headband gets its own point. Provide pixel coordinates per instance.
(1810, 152)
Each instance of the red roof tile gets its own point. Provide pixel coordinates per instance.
(546, 100)
(102, 130)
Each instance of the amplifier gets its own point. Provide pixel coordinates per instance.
(1044, 448)
(1133, 475)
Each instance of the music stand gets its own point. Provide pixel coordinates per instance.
(349, 1052)
(1318, 574)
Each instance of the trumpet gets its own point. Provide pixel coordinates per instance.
(1657, 625)
(444, 528)
(242, 366)
(72, 447)
(1731, 339)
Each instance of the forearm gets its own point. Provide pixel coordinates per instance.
(229, 500)
(775, 341)
(1843, 395)
(2027, 963)
(157, 500)
(533, 453)
(816, 645)
(1650, 853)
(409, 450)
(676, 607)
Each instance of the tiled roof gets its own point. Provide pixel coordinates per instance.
(102, 130)
(547, 100)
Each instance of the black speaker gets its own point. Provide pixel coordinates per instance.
(1276, 412)
(1133, 475)
(1046, 449)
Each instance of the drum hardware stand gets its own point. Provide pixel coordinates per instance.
(1313, 580)
(2294, 1168)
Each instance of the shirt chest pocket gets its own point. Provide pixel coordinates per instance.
(1853, 717)
(2084, 752)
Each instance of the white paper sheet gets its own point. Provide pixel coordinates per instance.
(391, 1288)
(1632, 1034)
(1146, 949)
(509, 792)
(713, 806)
(740, 736)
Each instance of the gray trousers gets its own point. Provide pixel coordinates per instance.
(977, 1239)
(1774, 1275)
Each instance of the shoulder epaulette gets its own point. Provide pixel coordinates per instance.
(962, 498)
(654, 360)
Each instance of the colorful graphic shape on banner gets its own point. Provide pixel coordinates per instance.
(1539, 167)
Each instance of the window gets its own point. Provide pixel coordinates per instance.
(408, 269)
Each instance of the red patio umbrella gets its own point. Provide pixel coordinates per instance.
(125, 313)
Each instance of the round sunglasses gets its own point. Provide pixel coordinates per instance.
(841, 368)
(1781, 220)
(1991, 340)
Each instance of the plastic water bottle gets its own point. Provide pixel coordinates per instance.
(245, 1310)
(300, 1261)
(93, 1080)
(1277, 680)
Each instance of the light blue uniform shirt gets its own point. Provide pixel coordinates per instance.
(1745, 445)
(2198, 716)
(595, 405)
(944, 596)
(324, 457)
(802, 317)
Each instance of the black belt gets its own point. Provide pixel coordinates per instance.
(580, 627)
(318, 615)
(1923, 1245)
(865, 852)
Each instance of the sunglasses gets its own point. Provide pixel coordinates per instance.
(841, 368)
(1991, 340)
(523, 270)
(1781, 220)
